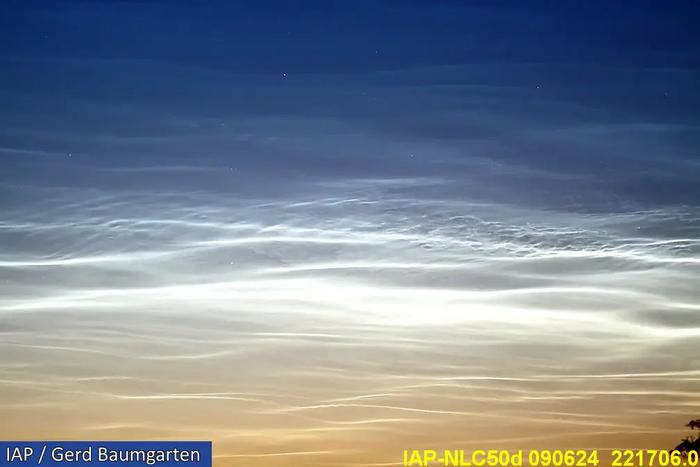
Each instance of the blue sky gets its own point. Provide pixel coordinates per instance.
(598, 90)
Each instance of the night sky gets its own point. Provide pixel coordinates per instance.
(323, 232)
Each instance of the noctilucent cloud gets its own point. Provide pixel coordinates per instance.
(323, 232)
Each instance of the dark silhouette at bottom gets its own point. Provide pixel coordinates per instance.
(692, 442)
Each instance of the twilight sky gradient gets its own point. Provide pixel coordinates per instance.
(323, 232)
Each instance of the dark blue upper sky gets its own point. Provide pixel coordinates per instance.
(539, 101)
(354, 35)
